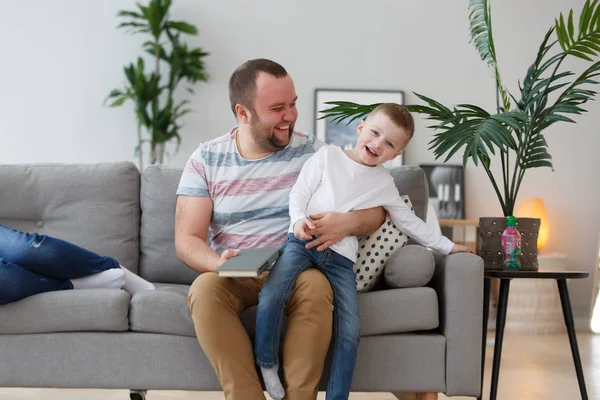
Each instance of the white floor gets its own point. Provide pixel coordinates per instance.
(534, 367)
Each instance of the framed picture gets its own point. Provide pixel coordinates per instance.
(446, 189)
(344, 134)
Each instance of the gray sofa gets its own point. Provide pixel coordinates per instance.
(412, 339)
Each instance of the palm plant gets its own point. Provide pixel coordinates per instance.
(152, 93)
(515, 132)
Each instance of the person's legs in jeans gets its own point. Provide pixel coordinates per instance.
(49, 256)
(56, 258)
(16, 283)
(346, 324)
(271, 303)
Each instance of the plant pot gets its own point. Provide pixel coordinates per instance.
(490, 232)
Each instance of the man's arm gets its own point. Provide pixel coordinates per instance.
(192, 218)
(332, 227)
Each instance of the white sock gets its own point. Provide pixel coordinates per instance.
(272, 382)
(110, 279)
(134, 283)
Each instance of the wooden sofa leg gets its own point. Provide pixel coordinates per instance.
(415, 396)
(136, 394)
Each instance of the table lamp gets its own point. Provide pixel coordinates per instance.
(534, 208)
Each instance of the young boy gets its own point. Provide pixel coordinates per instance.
(337, 180)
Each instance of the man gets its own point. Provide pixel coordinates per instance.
(237, 187)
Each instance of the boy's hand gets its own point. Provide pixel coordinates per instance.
(226, 255)
(329, 228)
(459, 248)
(302, 227)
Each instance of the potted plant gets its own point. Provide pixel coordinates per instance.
(152, 94)
(515, 132)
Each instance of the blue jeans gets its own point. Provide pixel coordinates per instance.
(32, 264)
(346, 326)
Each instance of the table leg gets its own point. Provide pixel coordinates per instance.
(500, 321)
(486, 312)
(568, 315)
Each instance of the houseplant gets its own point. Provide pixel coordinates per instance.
(152, 93)
(515, 132)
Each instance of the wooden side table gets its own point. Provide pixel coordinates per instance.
(505, 278)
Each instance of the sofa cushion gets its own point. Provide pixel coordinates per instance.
(95, 206)
(102, 310)
(398, 310)
(165, 310)
(410, 266)
(158, 259)
(375, 249)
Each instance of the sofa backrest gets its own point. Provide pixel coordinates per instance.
(95, 206)
(158, 260)
(411, 180)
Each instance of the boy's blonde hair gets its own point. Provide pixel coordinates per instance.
(399, 116)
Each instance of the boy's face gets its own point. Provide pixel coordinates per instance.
(379, 140)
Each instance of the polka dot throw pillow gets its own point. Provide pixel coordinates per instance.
(374, 251)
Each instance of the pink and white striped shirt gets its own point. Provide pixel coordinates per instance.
(250, 197)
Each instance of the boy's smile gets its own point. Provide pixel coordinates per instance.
(379, 140)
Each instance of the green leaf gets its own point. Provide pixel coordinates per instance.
(133, 25)
(585, 18)
(183, 27)
(481, 32)
(585, 43)
(345, 110)
(119, 101)
(571, 28)
(130, 14)
(537, 164)
(114, 93)
(579, 55)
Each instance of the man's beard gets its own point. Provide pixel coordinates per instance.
(265, 138)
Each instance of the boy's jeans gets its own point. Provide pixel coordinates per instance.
(273, 297)
(32, 264)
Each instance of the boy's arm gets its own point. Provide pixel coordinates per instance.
(309, 178)
(413, 226)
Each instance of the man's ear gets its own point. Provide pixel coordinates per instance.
(360, 127)
(398, 153)
(243, 113)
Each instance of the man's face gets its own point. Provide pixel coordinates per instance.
(275, 114)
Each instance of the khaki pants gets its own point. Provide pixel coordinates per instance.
(215, 304)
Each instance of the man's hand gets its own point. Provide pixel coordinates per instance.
(459, 248)
(227, 254)
(329, 228)
(302, 227)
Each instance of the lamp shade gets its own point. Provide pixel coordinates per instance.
(534, 208)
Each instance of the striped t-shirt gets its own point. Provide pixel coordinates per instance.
(250, 197)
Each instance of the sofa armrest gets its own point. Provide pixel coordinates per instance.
(458, 281)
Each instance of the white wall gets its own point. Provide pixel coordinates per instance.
(59, 60)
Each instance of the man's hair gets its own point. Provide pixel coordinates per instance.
(399, 116)
(242, 84)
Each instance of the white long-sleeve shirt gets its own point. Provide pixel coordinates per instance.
(332, 181)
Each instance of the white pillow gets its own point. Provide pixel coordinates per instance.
(374, 251)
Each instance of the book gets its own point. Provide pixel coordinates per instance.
(249, 263)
